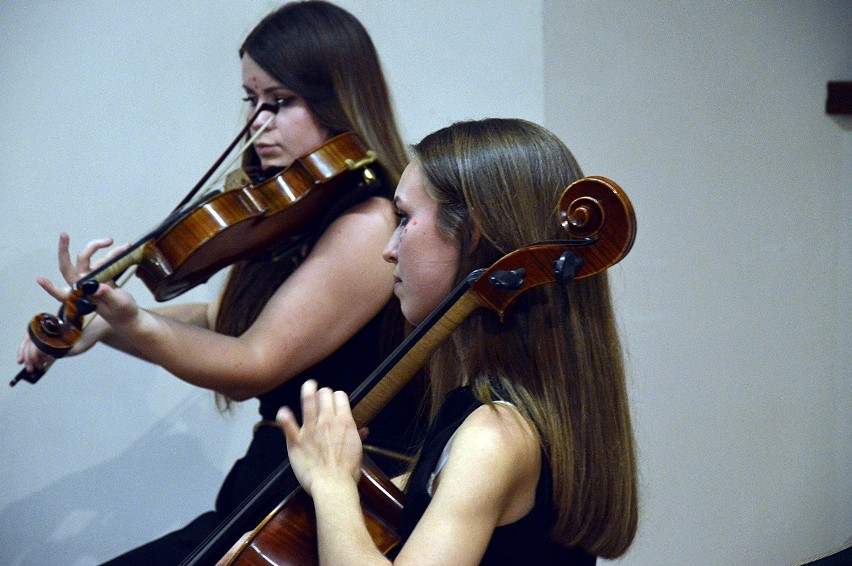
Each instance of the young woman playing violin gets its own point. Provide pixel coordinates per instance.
(317, 309)
(529, 455)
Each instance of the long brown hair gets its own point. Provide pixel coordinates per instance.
(558, 356)
(324, 54)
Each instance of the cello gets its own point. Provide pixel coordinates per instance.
(199, 239)
(601, 223)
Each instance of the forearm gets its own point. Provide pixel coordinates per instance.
(196, 354)
(341, 532)
(99, 330)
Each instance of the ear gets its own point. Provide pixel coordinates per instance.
(474, 240)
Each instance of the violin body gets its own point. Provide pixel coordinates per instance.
(288, 536)
(241, 222)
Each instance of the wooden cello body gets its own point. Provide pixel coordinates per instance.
(287, 536)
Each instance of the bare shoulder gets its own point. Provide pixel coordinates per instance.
(499, 430)
(373, 217)
(489, 480)
(340, 286)
(349, 251)
(498, 443)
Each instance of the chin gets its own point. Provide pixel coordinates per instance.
(277, 162)
(271, 164)
(413, 318)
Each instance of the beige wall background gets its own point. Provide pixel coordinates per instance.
(734, 302)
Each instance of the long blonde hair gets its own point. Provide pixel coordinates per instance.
(558, 355)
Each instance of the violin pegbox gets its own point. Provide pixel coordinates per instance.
(57, 334)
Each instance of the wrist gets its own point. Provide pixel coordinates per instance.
(129, 324)
(337, 486)
(342, 533)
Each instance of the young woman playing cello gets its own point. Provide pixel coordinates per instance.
(529, 456)
(314, 310)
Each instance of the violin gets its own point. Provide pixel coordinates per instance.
(238, 223)
(601, 223)
(195, 242)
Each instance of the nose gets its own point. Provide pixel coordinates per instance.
(263, 118)
(389, 253)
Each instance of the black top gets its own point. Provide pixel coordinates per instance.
(393, 428)
(523, 542)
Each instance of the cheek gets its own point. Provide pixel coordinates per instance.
(429, 264)
(426, 285)
(415, 245)
(299, 130)
(308, 128)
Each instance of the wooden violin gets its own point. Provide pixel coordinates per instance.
(240, 222)
(193, 244)
(601, 223)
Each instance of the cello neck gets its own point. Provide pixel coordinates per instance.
(397, 370)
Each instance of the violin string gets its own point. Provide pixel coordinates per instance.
(126, 275)
(204, 178)
(238, 154)
(194, 202)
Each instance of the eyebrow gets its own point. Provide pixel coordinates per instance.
(272, 89)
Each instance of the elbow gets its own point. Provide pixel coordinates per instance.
(246, 389)
(238, 395)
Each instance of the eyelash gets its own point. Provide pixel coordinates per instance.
(281, 101)
(402, 218)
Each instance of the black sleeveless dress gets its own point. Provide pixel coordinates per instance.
(392, 429)
(524, 542)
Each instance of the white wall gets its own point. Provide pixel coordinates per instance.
(111, 111)
(734, 301)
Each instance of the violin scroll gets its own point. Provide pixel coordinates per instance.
(57, 334)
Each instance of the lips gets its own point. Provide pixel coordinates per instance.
(265, 149)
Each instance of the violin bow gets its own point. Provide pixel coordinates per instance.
(114, 269)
